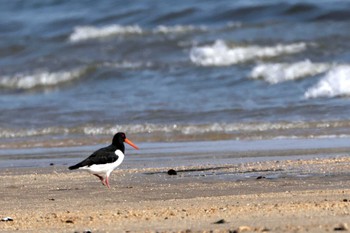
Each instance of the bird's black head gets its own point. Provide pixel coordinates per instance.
(118, 139)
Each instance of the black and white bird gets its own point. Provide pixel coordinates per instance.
(103, 161)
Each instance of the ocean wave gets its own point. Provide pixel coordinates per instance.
(334, 15)
(81, 33)
(238, 130)
(18, 133)
(335, 83)
(178, 29)
(281, 72)
(127, 65)
(90, 32)
(220, 54)
(39, 79)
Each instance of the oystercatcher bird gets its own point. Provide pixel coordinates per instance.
(103, 161)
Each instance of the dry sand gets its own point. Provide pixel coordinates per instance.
(273, 196)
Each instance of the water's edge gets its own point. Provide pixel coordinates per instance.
(170, 154)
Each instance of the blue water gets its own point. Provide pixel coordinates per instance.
(73, 72)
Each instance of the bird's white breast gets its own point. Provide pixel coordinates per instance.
(105, 168)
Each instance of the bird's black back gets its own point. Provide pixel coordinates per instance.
(101, 156)
(104, 155)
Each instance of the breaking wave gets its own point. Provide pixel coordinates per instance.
(81, 33)
(236, 130)
(39, 79)
(89, 32)
(281, 72)
(178, 29)
(127, 65)
(335, 83)
(220, 54)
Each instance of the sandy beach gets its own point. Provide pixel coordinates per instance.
(247, 101)
(272, 196)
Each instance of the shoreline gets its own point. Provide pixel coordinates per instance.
(270, 196)
(163, 154)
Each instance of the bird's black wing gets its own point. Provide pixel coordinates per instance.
(101, 156)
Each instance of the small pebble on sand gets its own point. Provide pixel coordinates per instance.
(341, 227)
(221, 221)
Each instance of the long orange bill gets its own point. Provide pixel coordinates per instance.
(131, 143)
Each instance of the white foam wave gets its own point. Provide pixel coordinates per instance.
(39, 78)
(128, 65)
(335, 83)
(81, 33)
(9, 133)
(281, 72)
(238, 129)
(90, 32)
(178, 29)
(219, 54)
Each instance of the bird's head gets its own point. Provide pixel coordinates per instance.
(120, 138)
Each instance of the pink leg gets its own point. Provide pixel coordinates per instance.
(107, 182)
(101, 178)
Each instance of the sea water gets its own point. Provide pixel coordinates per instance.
(73, 73)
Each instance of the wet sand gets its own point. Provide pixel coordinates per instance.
(271, 196)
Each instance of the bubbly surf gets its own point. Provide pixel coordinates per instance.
(173, 132)
(220, 54)
(39, 79)
(281, 72)
(82, 33)
(335, 83)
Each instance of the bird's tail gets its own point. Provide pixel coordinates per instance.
(76, 166)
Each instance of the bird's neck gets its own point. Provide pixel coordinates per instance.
(119, 147)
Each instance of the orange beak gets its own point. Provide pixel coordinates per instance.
(131, 143)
